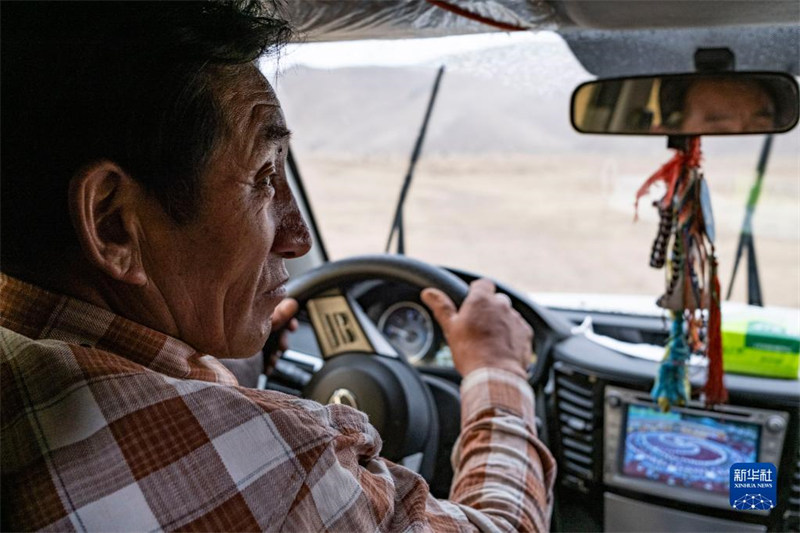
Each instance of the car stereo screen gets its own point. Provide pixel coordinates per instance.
(682, 450)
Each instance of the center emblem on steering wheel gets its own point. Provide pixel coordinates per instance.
(343, 397)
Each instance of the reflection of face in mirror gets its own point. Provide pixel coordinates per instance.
(728, 106)
(725, 106)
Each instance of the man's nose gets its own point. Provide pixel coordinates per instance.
(292, 237)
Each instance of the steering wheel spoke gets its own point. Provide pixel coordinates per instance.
(342, 326)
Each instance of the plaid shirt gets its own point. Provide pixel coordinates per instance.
(108, 425)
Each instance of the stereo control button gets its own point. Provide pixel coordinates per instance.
(613, 400)
(776, 424)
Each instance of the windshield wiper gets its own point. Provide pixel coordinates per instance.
(746, 235)
(397, 221)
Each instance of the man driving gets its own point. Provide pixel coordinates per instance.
(146, 218)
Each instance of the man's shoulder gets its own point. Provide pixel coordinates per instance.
(49, 359)
(54, 372)
(14, 344)
(54, 364)
(67, 363)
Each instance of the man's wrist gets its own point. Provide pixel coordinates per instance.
(510, 367)
(495, 388)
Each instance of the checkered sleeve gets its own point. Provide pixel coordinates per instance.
(501, 468)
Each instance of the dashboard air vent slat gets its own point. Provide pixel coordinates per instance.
(574, 410)
(583, 472)
(574, 387)
(575, 444)
(578, 457)
(571, 397)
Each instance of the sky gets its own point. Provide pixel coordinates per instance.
(397, 53)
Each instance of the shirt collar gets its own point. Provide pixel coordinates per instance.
(40, 314)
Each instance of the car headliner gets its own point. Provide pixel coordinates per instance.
(609, 37)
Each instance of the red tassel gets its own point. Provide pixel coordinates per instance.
(669, 173)
(715, 391)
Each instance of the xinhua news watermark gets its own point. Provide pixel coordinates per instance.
(753, 486)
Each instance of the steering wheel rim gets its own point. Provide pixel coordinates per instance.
(389, 267)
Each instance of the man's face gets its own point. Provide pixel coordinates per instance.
(727, 106)
(222, 274)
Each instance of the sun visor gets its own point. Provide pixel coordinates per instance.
(337, 20)
(611, 53)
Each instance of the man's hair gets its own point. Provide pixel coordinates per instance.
(124, 82)
(672, 99)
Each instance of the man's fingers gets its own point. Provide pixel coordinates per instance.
(504, 299)
(440, 304)
(483, 286)
(283, 342)
(283, 313)
(479, 290)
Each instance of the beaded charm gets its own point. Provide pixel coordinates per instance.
(685, 246)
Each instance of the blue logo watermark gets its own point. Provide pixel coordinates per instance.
(753, 486)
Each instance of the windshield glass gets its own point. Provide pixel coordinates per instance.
(504, 186)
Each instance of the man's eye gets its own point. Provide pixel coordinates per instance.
(718, 118)
(265, 181)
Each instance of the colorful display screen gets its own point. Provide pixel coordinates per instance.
(686, 451)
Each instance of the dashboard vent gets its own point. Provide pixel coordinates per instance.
(576, 423)
(792, 516)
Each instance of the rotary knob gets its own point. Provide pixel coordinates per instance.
(775, 424)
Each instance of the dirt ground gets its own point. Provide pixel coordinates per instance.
(552, 223)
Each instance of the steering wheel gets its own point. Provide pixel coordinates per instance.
(361, 368)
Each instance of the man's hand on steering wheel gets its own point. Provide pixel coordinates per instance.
(283, 322)
(485, 332)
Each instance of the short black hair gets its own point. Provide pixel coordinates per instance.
(671, 100)
(121, 81)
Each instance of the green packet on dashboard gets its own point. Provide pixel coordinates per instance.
(761, 341)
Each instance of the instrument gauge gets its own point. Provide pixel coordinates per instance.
(409, 328)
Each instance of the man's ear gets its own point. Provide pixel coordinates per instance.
(102, 204)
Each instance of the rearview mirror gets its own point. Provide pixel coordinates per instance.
(688, 104)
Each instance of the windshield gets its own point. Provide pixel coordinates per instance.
(504, 186)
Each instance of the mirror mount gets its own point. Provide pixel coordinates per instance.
(714, 60)
(678, 142)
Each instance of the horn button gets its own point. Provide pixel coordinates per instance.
(386, 390)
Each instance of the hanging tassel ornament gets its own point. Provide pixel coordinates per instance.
(672, 384)
(685, 245)
(715, 391)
